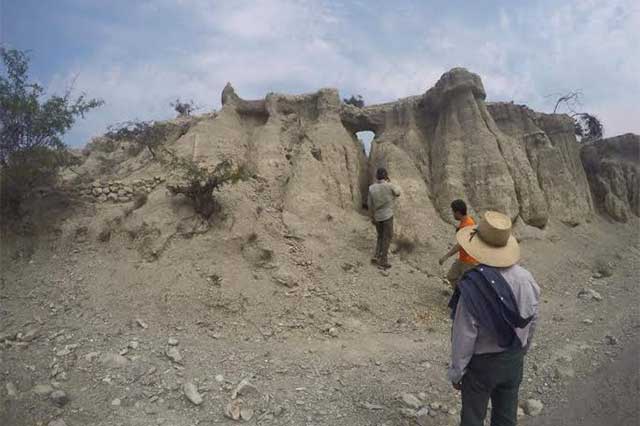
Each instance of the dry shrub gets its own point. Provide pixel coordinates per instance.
(199, 184)
(405, 244)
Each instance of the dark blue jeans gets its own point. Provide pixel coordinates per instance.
(494, 377)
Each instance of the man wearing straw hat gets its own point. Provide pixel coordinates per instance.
(495, 309)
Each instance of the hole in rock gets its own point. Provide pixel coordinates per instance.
(365, 137)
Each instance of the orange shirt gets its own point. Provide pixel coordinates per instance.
(463, 255)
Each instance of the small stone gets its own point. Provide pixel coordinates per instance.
(112, 360)
(191, 392)
(409, 413)
(97, 191)
(30, 335)
(244, 388)
(116, 402)
(532, 407)
(12, 391)
(587, 321)
(423, 396)
(133, 345)
(232, 409)
(611, 340)
(102, 198)
(589, 294)
(174, 355)
(141, 323)
(333, 332)
(370, 406)
(173, 341)
(42, 389)
(411, 401)
(564, 372)
(435, 405)
(219, 378)
(59, 398)
(246, 413)
(422, 417)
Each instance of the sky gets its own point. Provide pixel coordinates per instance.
(139, 56)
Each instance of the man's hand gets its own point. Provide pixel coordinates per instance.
(457, 386)
(442, 260)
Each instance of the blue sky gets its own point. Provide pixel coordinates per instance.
(140, 55)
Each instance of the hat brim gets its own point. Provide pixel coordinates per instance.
(487, 254)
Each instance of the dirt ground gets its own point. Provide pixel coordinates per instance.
(94, 319)
(608, 397)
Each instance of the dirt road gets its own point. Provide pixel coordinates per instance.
(611, 396)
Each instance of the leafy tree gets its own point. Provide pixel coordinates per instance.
(31, 130)
(356, 101)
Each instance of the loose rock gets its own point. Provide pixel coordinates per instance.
(246, 413)
(42, 389)
(244, 388)
(173, 341)
(174, 355)
(191, 392)
(12, 391)
(422, 417)
(233, 408)
(532, 407)
(408, 413)
(59, 398)
(111, 360)
(411, 401)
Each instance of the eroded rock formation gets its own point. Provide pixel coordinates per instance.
(449, 144)
(613, 170)
(310, 169)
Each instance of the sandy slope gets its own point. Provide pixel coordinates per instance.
(232, 319)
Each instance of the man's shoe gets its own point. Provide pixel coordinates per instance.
(374, 260)
(384, 266)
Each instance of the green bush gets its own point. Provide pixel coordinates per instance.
(31, 129)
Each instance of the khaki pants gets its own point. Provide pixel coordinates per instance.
(385, 235)
(457, 270)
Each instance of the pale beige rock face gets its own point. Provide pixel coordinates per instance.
(613, 169)
(552, 158)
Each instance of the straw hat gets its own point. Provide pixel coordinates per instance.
(491, 242)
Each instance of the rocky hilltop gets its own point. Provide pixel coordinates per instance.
(310, 169)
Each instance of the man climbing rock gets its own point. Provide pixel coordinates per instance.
(495, 310)
(380, 202)
(464, 262)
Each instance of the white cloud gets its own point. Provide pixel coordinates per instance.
(524, 53)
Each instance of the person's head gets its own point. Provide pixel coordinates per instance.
(459, 209)
(381, 174)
